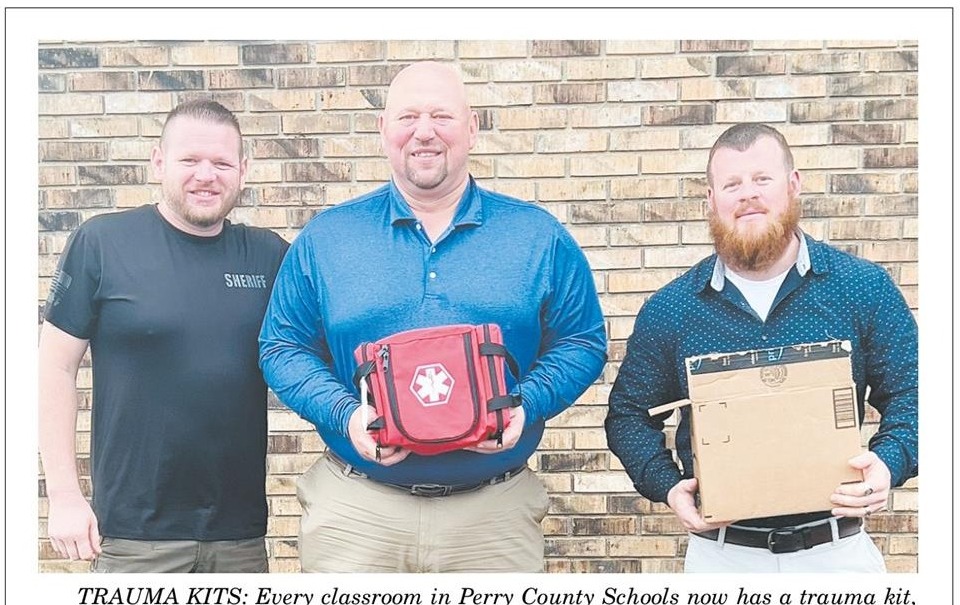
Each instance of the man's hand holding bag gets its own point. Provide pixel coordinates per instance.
(436, 390)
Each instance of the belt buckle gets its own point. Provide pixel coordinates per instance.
(429, 490)
(784, 540)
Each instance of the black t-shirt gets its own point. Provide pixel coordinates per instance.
(179, 405)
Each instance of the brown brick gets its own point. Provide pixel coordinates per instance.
(890, 109)
(675, 67)
(910, 182)
(643, 139)
(259, 125)
(901, 60)
(571, 142)
(822, 158)
(57, 58)
(283, 444)
(640, 47)
(571, 190)
(793, 86)
(282, 100)
(573, 461)
(617, 164)
(565, 48)
(352, 146)
(866, 85)
(309, 172)
(274, 54)
(603, 526)
(708, 90)
(492, 49)
(51, 83)
(825, 63)
(49, 176)
(675, 256)
(865, 134)
(316, 123)
(70, 104)
(72, 151)
(815, 206)
(674, 162)
(183, 79)
(674, 211)
(133, 56)
(205, 54)
(750, 111)
(526, 71)
(113, 174)
(865, 229)
(645, 235)
(662, 525)
(348, 51)
(885, 252)
(561, 504)
(574, 547)
(642, 546)
(232, 100)
(581, 92)
(102, 80)
(713, 46)
(295, 195)
(890, 157)
(138, 102)
(517, 118)
(910, 86)
(110, 127)
(286, 148)
(671, 115)
(824, 111)
(641, 91)
(601, 69)
(651, 565)
(606, 565)
(372, 75)
(77, 198)
(753, 65)
(864, 183)
(353, 98)
(420, 50)
(531, 166)
(240, 78)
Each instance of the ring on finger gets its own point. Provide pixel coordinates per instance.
(868, 491)
(866, 511)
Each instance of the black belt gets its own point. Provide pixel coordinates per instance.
(430, 490)
(786, 539)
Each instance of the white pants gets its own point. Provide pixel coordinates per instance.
(853, 554)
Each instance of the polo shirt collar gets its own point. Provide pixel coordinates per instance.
(469, 208)
(803, 264)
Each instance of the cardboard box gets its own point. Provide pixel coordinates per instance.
(772, 429)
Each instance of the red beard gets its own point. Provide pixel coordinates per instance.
(755, 251)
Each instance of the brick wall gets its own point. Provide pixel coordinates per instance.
(611, 136)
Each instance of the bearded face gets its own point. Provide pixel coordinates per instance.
(755, 246)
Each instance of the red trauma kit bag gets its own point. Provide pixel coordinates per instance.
(435, 390)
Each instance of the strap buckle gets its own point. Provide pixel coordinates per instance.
(428, 490)
(785, 539)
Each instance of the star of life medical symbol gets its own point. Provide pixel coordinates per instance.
(432, 384)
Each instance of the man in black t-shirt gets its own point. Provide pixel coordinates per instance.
(169, 298)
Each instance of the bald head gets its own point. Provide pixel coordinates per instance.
(426, 81)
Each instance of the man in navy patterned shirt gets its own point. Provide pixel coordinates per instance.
(768, 285)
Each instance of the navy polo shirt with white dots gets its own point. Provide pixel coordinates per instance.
(827, 295)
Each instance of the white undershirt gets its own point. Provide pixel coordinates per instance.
(759, 294)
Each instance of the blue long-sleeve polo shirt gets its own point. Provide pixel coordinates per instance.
(365, 269)
(828, 294)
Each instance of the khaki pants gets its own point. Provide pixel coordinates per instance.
(353, 524)
(181, 556)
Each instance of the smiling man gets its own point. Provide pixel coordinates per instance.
(768, 285)
(169, 299)
(430, 248)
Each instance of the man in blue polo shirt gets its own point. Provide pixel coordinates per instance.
(768, 285)
(430, 248)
